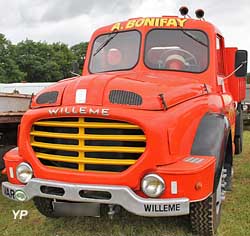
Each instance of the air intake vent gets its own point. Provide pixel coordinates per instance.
(125, 97)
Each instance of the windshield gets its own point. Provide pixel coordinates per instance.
(115, 51)
(180, 50)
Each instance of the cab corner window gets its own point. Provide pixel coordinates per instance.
(219, 51)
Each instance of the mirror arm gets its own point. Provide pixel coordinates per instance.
(220, 80)
(242, 64)
(73, 73)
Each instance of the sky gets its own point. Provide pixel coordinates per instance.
(73, 21)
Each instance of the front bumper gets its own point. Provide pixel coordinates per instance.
(120, 195)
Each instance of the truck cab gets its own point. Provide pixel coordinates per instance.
(151, 125)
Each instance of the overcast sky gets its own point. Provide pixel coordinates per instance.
(73, 21)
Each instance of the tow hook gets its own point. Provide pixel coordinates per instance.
(113, 209)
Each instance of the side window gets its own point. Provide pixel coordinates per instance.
(220, 59)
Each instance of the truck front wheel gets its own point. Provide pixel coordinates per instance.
(205, 215)
(45, 207)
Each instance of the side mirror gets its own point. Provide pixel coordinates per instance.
(241, 63)
(75, 68)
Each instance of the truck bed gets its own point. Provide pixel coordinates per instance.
(15, 99)
(12, 106)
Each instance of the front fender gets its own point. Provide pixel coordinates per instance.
(211, 140)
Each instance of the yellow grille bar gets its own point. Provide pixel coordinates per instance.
(85, 160)
(96, 125)
(41, 130)
(81, 166)
(78, 148)
(89, 136)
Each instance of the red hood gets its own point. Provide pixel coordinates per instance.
(98, 87)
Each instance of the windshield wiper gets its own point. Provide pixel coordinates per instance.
(194, 38)
(105, 43)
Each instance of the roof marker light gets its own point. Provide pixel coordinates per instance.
(184, 11)
(199, 14)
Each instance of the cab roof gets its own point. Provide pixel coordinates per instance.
(145, 24)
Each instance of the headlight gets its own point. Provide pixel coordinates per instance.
(24, 172)
(153, 185)
(244, 107)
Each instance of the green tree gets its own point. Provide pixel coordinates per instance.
(248, 78)
(38, 61)
(64, 57)
(80, 50)
(9, 70)
(44, 62)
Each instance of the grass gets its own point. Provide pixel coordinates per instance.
(235, 215)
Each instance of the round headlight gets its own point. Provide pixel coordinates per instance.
(244, 107)
(24, 172)
(153, 185)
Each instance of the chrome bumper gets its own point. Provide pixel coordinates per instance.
(119, 195)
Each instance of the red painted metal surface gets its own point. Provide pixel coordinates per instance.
(169, 133)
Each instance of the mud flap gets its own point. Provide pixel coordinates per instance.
(211, 140)
(238, 138)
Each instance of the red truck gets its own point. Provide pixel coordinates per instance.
(151, 125)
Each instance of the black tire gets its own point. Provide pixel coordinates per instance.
(229, 178)
(3, 150)
(205, 215)
(45, 207)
